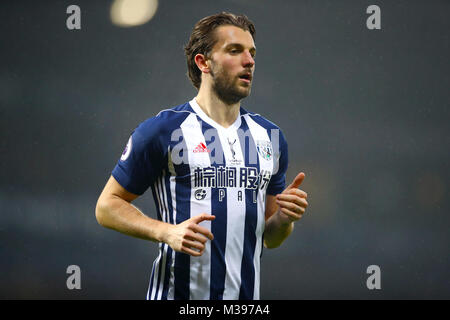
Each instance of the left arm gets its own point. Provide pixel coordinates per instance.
(282, 211)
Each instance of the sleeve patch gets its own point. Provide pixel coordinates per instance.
(127, 150)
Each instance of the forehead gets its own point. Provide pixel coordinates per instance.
(232, 34)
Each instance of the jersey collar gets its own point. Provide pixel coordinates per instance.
(236, 124)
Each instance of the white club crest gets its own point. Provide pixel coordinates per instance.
(264, 149)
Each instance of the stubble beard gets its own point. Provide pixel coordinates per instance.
(227, 87)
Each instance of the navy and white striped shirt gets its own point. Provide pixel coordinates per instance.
(194, 165)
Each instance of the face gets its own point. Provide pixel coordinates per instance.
(232, 63)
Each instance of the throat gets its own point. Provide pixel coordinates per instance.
(222, 113)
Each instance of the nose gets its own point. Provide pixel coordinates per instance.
(248, 60)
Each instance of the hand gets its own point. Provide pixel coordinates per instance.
(188, 237)
(292, 201)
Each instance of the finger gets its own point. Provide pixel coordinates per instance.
(297, 181)
(192, 235)
(292, 207)
(203, 231)
(193, 244)
(203, 217)
(292, 198)
(299, 192)
(191, 252)
(291, 215)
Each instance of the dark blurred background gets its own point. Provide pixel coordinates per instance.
(366, 114)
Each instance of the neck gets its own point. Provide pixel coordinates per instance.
(221, 112)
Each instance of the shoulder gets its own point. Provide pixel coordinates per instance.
(178, 113)
(263, 122)
(276, 136)
(259, 119)
(164, 122)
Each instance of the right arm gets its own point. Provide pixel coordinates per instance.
(115, 211)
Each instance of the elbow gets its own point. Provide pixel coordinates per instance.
(101, 210)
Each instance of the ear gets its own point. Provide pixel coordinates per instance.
(202, 63)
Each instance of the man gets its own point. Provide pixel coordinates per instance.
(217, 174)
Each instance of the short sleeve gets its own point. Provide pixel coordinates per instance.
(278, 181)
(142, 160)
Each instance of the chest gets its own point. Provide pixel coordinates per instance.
(222, 158)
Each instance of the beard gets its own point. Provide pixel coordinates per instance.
(227, 87)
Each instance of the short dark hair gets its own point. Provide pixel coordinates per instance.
(203, 39)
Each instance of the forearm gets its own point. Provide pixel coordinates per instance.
(278, 228)
(120, 215)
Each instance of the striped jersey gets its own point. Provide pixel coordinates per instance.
(193, 165)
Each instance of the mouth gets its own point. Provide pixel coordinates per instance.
(246, 77)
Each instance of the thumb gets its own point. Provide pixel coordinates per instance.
(297, 181)
(203, 217)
